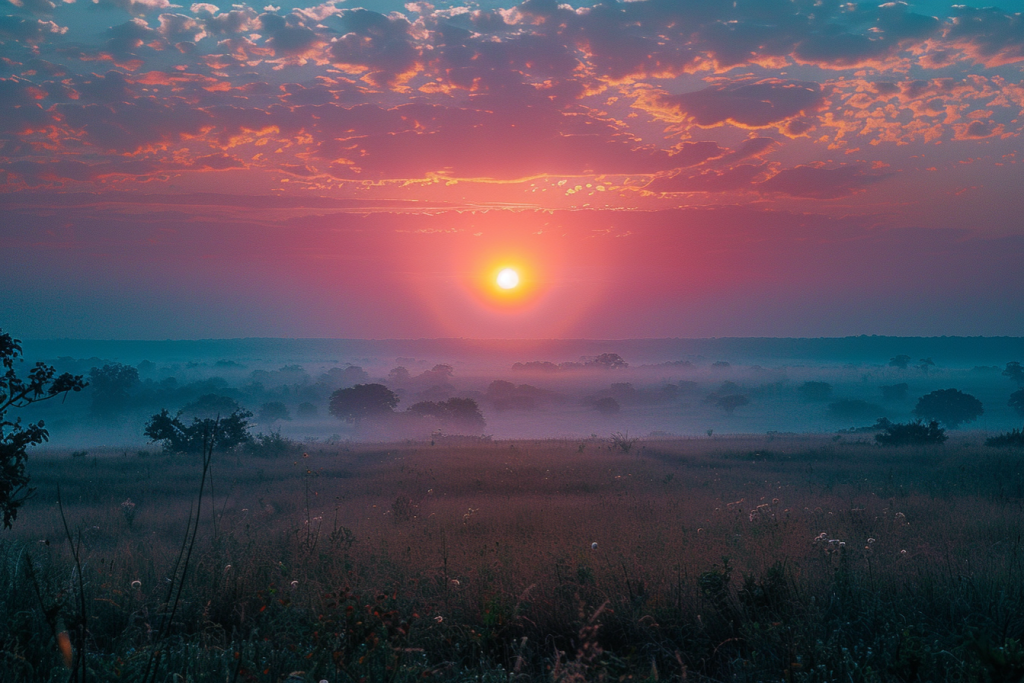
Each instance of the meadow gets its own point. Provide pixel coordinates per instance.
(758, 558)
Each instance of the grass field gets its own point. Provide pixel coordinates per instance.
(782, 558)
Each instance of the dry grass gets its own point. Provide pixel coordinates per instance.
(474, 560)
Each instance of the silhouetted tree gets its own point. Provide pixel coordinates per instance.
(914, 433)
(951, 407)
(608, 361)
(1014, 371)
(1017, 402)
(399, 376)
(306, 409)
(901, 361)
(111, 385)
(925, 364)
(815, 391)
(344, 377)
(362, 401)
(274, 410)
(41, 384)
(460, 413)
(895, 392)
(179, 437)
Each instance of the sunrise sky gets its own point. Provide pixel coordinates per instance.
(662, 168)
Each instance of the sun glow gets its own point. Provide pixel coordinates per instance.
(508, 279)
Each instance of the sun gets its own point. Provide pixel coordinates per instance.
(508, 279)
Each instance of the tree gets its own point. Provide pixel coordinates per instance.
(951, 407)
(15, 438)
(178, 437)
(111, 385)
(925, 364)
(209, 406)
(1017, 402)
(901, 361)
(1015, 372)
(815, 391)
(362, 401)
(915, 433)
(459, 413)
(606, 405)
(275, 410)
(608, 361)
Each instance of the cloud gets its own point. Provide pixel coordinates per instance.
(377, 45)
(738, 178)
(817, 182)
(137, 7)
(988, 36)
(747, 104)
(126, 38)
(28, 30)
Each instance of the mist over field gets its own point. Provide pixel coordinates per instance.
(532, 389)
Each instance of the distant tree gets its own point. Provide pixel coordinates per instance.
(362, 401)
(178, 437)
(608, 361)
(536, 366)
(1017, 402)
(41, 384)
(345, 377)
(901, 361)
(721, 365)
(951, 407)
(815, 391)
(606, 405)
(306, 409)
(925, 364)
(111, 387)
(895, 392)
(399, 376)
(1015, 372)
(909, 434)
(731, 402)
(273, 411)
(209, 407)
(458, 413)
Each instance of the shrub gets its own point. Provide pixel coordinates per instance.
(915, 433)
(270, 445)
(1017, 402)
(178, 437)
(1011, 439)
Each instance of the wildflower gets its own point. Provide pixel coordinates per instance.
(439, 618)
(128, 511)
(775, 501)
(227, 567)
(136, 584)
(903, 552)
(871, 540)
(593, 546)
(455, 582)
(295, 584)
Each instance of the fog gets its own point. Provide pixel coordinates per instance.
(525, 389)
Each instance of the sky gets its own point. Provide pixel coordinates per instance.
(659, 168)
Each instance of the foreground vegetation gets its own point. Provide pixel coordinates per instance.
(741, 559)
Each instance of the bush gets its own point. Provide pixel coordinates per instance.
(1011, 439)
(270, 445)
(915, 433)
(178, 437)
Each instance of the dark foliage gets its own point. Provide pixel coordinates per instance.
(731, 402)
(209, 406)
(1017, 402)
(901, 361)
(306, 409)
(362, 401)
(1011, 439)
(1014, 371)
(608, 361)
(42, 383)
(275, 410)
(178, 437)
(111, 387)
(951, 407)
(457, 413)
(915, 433)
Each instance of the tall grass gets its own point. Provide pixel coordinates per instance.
(781, 558)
